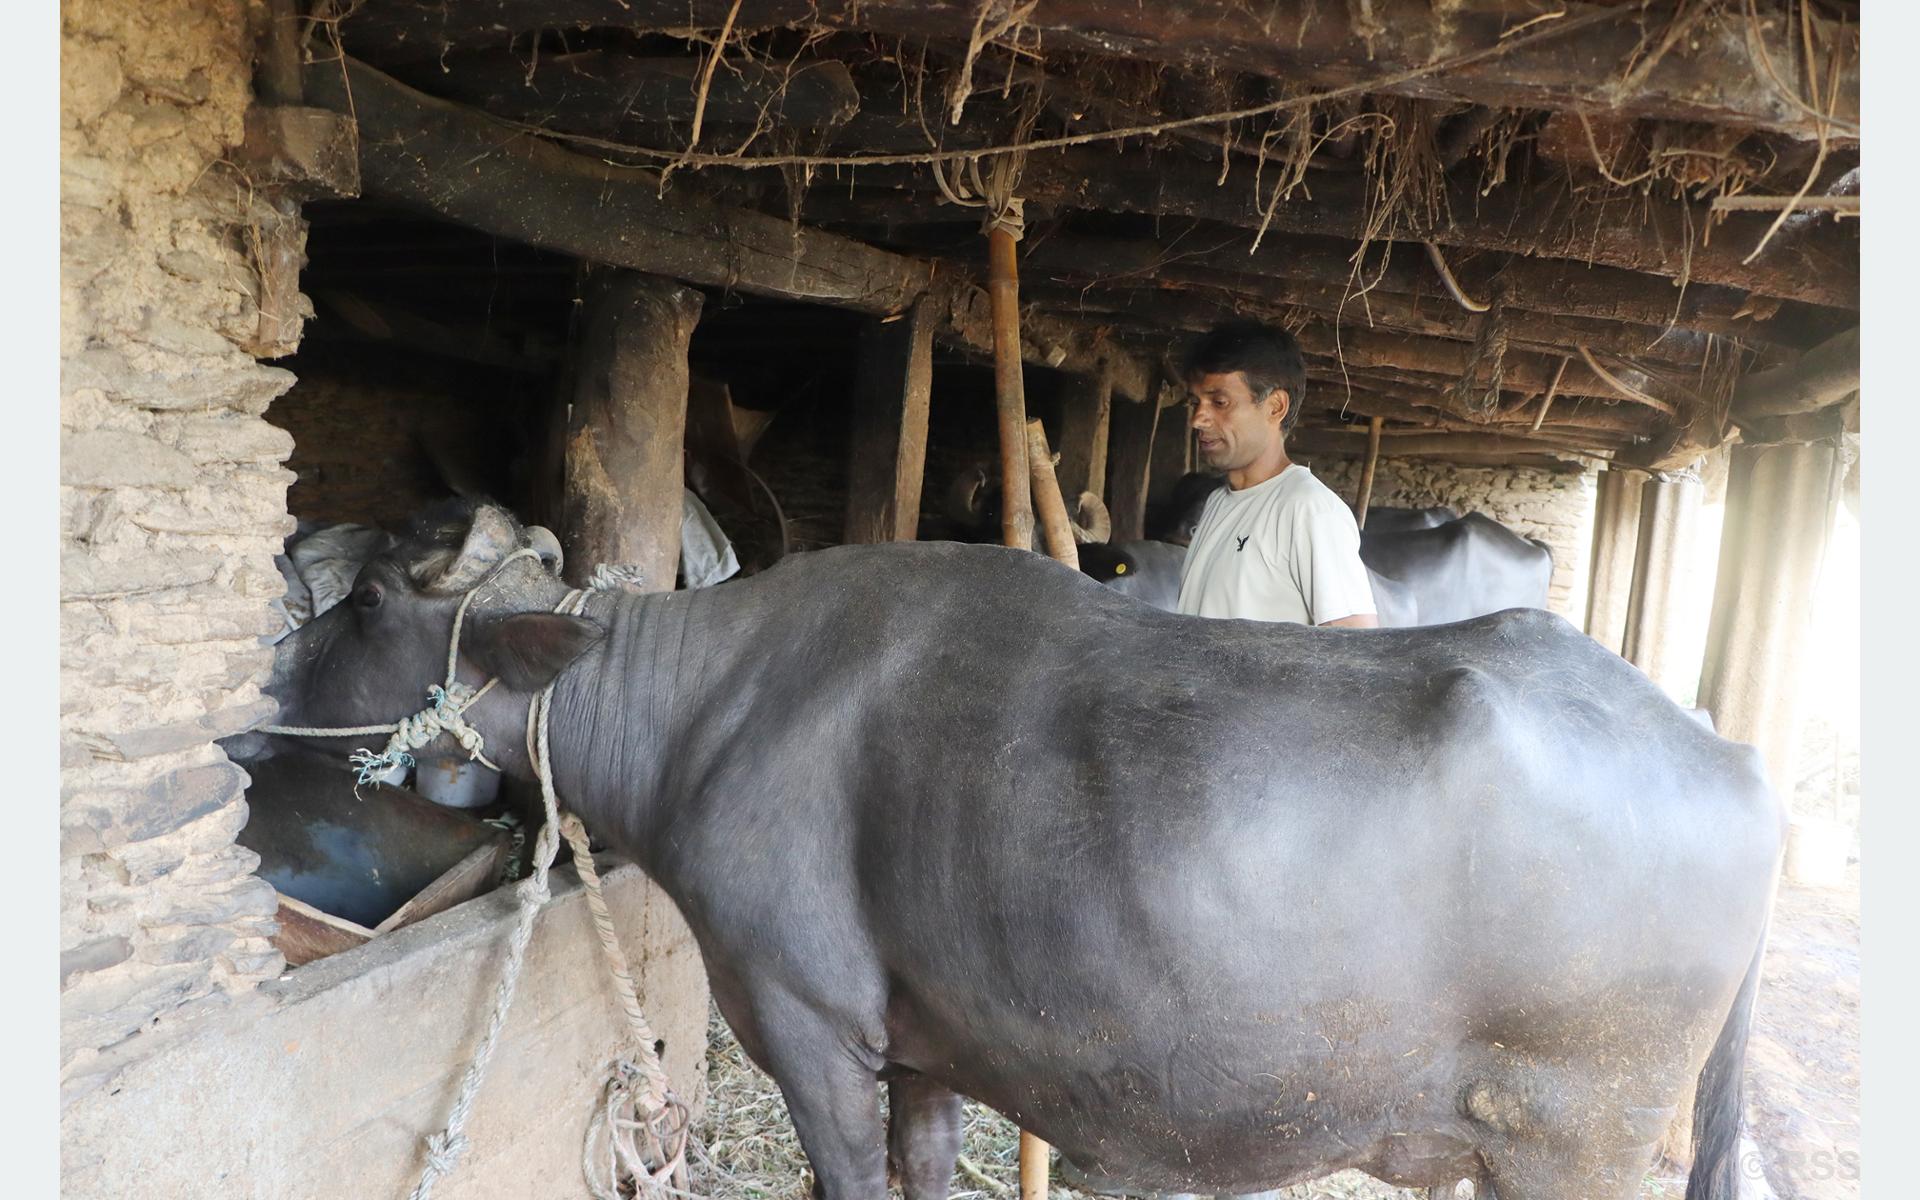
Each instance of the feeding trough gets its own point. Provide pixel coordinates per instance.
(348, 867)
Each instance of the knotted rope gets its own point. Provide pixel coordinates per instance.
(640, 1128)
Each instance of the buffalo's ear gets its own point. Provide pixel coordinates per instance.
(527, 650)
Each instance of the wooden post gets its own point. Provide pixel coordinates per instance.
(1365, 498)
(624, 472)
(1616, 534)
(1056, 529)
(892, 392)
(1667, 508)
(1086, 412)
(1010, 391)
(1033, 1167)
(1172, 450)
(1129, 457)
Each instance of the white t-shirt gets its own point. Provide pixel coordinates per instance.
(1286, 549)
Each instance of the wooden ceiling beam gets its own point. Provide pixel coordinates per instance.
(1540, 219)
(465, 167)
(1571, 63)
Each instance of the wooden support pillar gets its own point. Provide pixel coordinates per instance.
(1616, 534)
(1129, 456)
(1010, 390)
(1667, 508)
(1172, 452)
(1364, 499)
(1086, 412)
(1780, 512)
(624, 471)
(892, 389)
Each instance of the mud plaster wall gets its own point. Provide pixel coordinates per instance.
(1555, 507)
(172, 504)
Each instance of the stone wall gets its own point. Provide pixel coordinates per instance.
(172, 503)
(1556, 507)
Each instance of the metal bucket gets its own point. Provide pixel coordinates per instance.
(456, 782)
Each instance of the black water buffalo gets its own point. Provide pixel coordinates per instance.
(1467, 567)
(1209, 905)
(1397, 520)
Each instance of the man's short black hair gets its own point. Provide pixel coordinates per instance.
(1268, 357)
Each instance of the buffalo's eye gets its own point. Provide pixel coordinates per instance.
(368, 595)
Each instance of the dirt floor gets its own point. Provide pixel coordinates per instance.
(1803, 1073)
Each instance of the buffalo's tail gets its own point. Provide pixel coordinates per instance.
(1719, 1103)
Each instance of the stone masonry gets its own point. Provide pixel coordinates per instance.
(1556, 507)
(172, 504)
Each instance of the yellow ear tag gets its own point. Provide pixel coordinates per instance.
(1120, 568)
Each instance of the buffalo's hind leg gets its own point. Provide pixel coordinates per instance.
(923, 1136)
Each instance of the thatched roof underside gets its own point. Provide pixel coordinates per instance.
(1457, 207)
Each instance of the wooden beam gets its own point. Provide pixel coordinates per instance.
(1397, 442)
(1636, 233)
(1172, 454)
(1571, 63)
(891, 394)
(467, 168)
(1364, 499)
(601, 91)
(1823, 376)
(626, 433)
(1086, 409)
(1212, 255)
(1129, 461)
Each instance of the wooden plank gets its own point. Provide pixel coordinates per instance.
(892, 393)
(626, 434)
(462, 882)
(1129, 460)
(1823, 376)
(1086, 409)
(308, 934)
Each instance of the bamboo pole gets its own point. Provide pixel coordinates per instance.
(1003, 288)
(1033, 1167)
(1365, 497)
(1049, 506)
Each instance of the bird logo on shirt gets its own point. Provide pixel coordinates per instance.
(1242, 545)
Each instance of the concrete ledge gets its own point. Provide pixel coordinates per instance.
(330, 1087)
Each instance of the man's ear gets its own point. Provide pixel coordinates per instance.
(527, 650)
(1281, 403)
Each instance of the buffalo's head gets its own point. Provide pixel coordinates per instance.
(370, 659)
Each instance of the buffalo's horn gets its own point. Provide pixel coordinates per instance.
(490, 538)
(542, 541)
(1091, 521)
(966, 500)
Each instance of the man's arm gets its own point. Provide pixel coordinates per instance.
(1356, 621)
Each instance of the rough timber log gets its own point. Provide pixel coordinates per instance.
(592, 91)
(1218, 255)
(1129, 460)
(892, 393)
(1640, 233)
(627, 429)
(1573, 64)
(1420, 443)
(1086, 410)
(1822, 377)
(458, 163)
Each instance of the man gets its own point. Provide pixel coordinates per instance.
(1275, 544)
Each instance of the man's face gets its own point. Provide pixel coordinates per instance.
(1234, 426)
